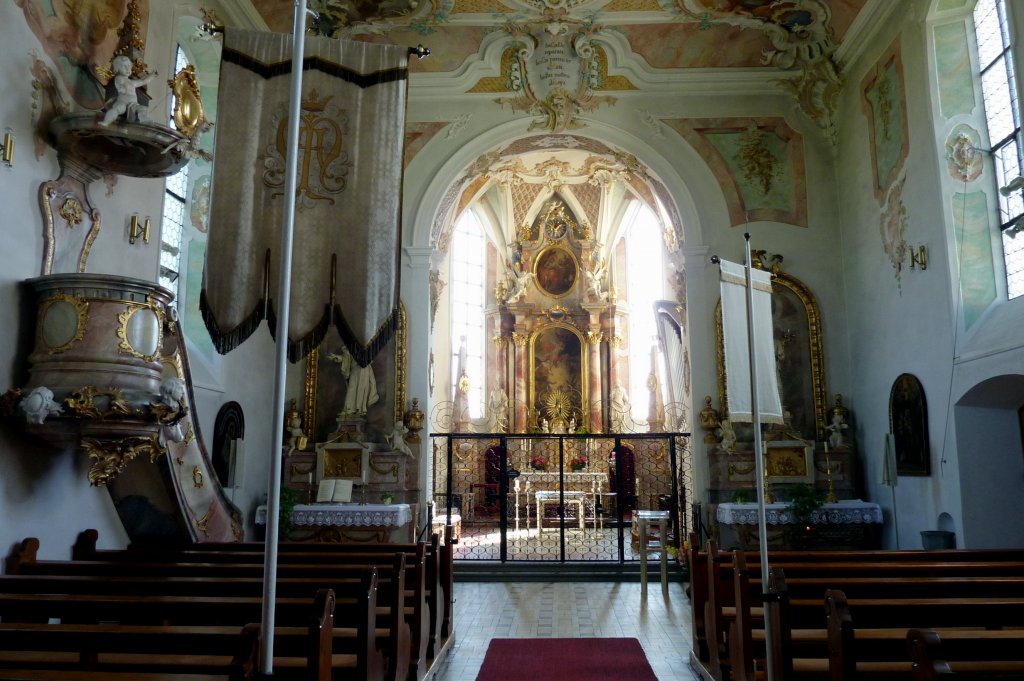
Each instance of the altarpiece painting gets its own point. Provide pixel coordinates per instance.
(325, 387)
(799, 357)
(557, 367)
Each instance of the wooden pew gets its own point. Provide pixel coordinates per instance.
(437, 561)
(869, 635)
(392, 632)
(975, 655)
(732, 606)
(123, 650)
(401, 580)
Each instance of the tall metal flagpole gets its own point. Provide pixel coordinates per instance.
(755, 411)
(284, 290)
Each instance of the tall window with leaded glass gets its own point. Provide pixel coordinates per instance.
(1002, 113)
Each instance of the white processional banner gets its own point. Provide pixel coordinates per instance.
(345, 261)
(737, 348)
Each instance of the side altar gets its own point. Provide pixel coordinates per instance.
(810, 455)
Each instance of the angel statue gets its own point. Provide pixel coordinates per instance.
(518, 282)
(396, 439)
(126, 103)
(595, 278)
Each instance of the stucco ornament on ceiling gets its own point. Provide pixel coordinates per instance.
(555, 72)
(334, 16)
(803, 40)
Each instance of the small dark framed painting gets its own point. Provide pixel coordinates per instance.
(908, 422)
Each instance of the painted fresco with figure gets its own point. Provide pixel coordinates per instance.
(977, 271)
(557, 355)
(758, 162)
(78, 36)
(884, 101)
(953, 70)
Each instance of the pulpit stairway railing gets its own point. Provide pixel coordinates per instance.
(553, 497)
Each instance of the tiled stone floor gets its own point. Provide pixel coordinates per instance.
(564, 609)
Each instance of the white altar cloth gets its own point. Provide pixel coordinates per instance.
(345, 515)
(844, 512)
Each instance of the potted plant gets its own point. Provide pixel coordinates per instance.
(538, 463)
(289, 497)
(578, 463)
(804, 500)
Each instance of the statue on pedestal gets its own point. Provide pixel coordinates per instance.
(360, 384)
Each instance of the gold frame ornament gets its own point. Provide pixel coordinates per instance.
(124, 318)
(81, 309)
(782, 280)
(538, 264)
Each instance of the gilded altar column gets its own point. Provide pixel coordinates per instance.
(520, 340)
(594, 338)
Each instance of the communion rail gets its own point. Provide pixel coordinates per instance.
(559, 497)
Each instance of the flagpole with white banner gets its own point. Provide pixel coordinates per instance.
(739, 330)
(281, 347)
(755, 411)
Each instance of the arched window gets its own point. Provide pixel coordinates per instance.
(1002, 114)
(468, 258)
(175, 204)
(646, 284)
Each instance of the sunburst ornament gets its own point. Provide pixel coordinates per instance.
(558, 405)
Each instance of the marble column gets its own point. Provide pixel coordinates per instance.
(594, 338)
(521, 339)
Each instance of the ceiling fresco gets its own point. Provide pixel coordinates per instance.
(557, 60)
(698, 28)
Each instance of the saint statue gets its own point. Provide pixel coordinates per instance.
(619, 408)
(497, 407)
(360, 384)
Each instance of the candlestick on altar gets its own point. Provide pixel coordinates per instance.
(831, 498)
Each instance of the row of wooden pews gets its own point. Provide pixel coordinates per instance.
(859, 614)
(377, 612)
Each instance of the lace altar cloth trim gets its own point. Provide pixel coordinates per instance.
(345, 515)
(852, 512)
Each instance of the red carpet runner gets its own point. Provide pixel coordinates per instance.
(565, 659)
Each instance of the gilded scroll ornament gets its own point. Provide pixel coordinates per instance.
(110, 457)
(71, 210)
(97, 403)
(197, 477)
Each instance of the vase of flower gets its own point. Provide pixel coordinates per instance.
(538, 464)
(578, 464)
